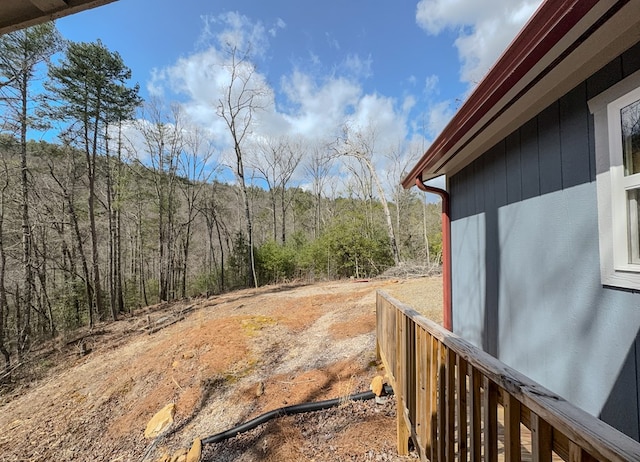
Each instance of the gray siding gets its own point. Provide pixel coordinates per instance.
(526, 273)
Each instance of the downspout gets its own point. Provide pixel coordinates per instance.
(446, 251)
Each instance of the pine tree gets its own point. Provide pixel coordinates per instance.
(90, 87)
(21, 53)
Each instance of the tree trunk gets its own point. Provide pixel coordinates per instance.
(91, 155)
(112, 229)
(46, 310)
(79, 246)
(316, 231)
(19, 323)
(185, 256)
(284, 214)
(275, 220)
(89, 291)
(3, 292)
(118, 230)
(3, 308)
(247, 210)
(221, 254)
(143, 285)
(171, 250)
(27, 268)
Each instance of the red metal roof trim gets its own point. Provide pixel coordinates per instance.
(545, 29)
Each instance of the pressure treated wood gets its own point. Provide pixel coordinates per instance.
(457, 403)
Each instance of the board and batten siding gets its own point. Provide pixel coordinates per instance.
(525, 260)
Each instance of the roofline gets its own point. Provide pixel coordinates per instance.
(49, 11)
(547, 27)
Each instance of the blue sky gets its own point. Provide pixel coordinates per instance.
(403, 66)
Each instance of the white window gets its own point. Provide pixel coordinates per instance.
(617, 136)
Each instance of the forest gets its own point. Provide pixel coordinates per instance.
(109, 203)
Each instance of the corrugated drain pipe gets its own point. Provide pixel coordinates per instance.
(290, 410)
(446, 251)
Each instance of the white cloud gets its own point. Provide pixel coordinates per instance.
(155, 84)
(408, 103)
(320, 109)
(484, 28)
(201, 77)
(280, 24)
(439, 115)
(235, 30)
(431, 85)
(332, 41)
(314, 59)
(379, 114)
(358, 67)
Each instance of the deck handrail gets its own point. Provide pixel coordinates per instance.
(449, 393)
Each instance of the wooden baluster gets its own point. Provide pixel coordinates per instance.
(541, 441)
(490, 421)
(428, 404)
(450, 434)
(476, 424)
(577, 454)
(412, 376)
(434, 357)
(442, 402)
(512, 449)
(461, 392)
(423, 390)
(401, 348)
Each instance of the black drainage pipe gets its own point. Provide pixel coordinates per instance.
(290, 410)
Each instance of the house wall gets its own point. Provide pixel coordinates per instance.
(525, 260)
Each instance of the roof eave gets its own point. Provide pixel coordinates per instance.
(32, 12)
(525, 69)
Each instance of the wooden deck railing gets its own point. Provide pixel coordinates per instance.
(458, 403)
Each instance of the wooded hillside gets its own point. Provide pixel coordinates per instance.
(129, 203)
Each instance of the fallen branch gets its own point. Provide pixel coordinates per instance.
(8, 373)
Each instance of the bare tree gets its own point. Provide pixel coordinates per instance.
(195, 167)
(401, 158)
(276, 162)
(318, 167)
(237, 106)
(164, 142)
(213, 210)
(67, 189)
(360, 144)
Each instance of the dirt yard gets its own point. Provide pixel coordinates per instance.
(221, 361)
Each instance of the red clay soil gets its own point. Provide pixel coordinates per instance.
(221, 361)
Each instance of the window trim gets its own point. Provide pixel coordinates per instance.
(612, 185)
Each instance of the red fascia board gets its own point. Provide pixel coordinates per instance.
(545, 29)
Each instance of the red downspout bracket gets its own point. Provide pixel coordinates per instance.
(446, 250)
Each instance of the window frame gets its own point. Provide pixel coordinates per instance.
(612, 185)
